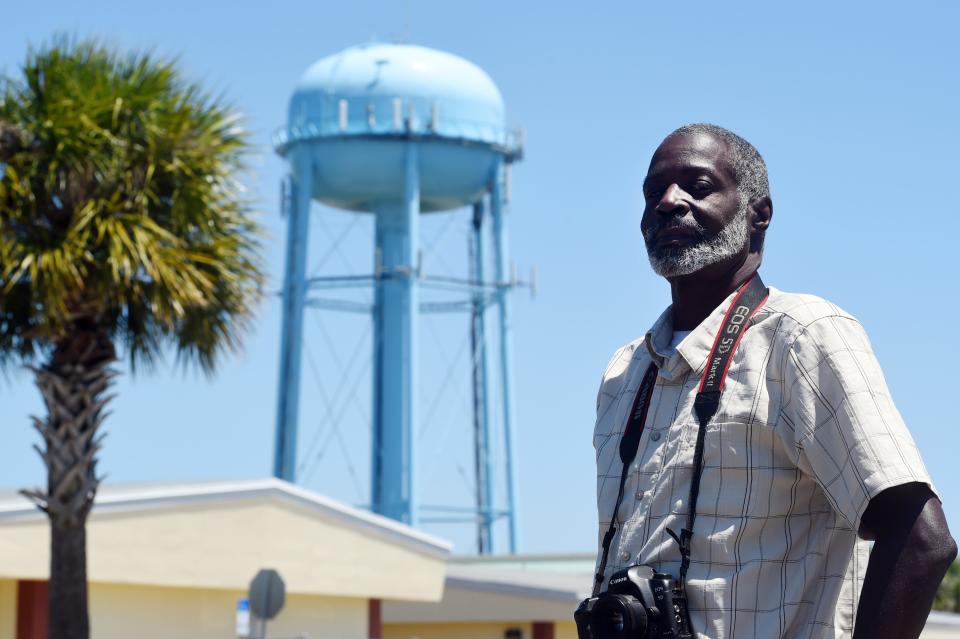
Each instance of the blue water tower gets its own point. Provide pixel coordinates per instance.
(400, 131)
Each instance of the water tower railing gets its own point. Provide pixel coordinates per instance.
(508, 143)
(486, 290)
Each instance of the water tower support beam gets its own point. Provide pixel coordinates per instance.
(504, 286)
(481, 384)
(294, 296)
(395, 341)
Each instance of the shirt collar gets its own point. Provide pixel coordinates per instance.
(692, 352)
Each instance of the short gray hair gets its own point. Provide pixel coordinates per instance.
(749, 169)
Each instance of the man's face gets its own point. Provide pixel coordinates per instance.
(693, 216)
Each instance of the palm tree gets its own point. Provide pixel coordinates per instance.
(122, 227)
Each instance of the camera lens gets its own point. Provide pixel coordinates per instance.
(619, 617)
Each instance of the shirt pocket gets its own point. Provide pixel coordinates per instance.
(745, 472)
(749, 394)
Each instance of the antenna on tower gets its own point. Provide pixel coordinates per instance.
(407, 31)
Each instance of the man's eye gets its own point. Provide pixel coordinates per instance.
(701, 186)
(654, 194)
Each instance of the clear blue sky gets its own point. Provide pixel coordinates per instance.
(853, 105)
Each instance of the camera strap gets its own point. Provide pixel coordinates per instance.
(629, 443)
(748, 300)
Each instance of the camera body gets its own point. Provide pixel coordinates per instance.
(639, 603)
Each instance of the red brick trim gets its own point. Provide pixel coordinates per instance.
(374, 619)
(31, 609)
(543, 630)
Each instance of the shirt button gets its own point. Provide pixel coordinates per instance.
(640, 494)
(624, 555)
(655, 437)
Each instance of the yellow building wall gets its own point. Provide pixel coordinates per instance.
(484, 630)
(478, 630)
(222, 545)
(939, 633)
(8, 609)
(123, 611)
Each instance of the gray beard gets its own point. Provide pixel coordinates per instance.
(675, 262)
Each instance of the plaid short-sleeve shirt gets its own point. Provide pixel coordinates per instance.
(806, 434)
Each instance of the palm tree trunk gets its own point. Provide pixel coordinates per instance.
(73, 386)
(67, 616)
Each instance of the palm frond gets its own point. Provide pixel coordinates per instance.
(120, 203)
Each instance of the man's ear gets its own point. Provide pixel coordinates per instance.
(762, 211)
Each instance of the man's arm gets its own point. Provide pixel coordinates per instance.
(911, 553)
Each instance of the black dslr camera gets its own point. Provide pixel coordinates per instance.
(638, 604)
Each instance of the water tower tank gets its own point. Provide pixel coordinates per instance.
(394, 130)
(355, 106)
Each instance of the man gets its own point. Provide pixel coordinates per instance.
(805, 463)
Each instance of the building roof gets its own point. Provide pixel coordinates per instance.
(941, 625)
(218, 534)
(504, 588)
(549, 586)
(580, 562)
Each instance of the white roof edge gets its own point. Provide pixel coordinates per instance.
(564, 595)
(939, 619)
(523, 557)
(165, 495)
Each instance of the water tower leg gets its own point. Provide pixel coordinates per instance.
(291, 340)
(481, 384)
(395, 342)
(503, 276)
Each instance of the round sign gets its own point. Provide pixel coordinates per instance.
(266, 594)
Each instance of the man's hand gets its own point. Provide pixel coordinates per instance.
(912, 551)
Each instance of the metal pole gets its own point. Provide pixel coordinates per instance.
(481, 395)
(504, 286)
(291, 340)
(395, 384)
(377, 438)
(475, 348)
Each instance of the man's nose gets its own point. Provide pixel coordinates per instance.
(672, 201)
